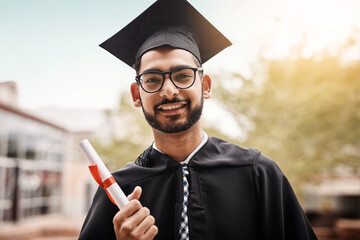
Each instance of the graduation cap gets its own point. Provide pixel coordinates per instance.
(175, 23)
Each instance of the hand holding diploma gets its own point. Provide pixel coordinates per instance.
(133, 221)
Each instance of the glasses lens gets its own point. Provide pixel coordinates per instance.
(183, 78)
(151, 81)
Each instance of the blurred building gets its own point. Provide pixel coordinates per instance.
(333, 204)
(42, 172)
(32, 153)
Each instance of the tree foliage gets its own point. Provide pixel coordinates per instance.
(304, 112)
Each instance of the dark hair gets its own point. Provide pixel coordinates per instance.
(136, 66)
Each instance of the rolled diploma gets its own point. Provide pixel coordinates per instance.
(114, 190)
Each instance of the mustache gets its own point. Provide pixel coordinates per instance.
(168, 101)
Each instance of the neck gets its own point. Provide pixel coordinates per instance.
(179, 145)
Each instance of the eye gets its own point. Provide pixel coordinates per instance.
(183, 75)
(151, 78)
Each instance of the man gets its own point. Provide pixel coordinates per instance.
(187, 185)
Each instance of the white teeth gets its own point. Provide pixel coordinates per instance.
(172, 107)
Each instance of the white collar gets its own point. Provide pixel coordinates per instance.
(204, 140)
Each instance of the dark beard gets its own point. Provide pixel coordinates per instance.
(194, 116)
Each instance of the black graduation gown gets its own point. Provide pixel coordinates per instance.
(235, 193)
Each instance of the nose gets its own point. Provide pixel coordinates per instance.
(168, 90)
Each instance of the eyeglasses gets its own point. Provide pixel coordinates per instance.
(152, 81)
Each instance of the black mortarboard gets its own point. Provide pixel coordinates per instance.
(167, 22)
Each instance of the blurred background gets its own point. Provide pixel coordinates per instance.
(289, 86)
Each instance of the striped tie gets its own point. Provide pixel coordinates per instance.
(184, 223)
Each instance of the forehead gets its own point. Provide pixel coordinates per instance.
(164, 58)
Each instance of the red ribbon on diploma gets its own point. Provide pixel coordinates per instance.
(104, 184)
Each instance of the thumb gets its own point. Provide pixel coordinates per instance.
(135, 194)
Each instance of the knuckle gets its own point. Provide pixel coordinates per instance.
(151, 219)
(117, 220)
(136, 204)
(134, 235)
(146, 211)
(153, 230)
(126, 228)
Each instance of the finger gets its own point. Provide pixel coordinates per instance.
(130, 209)
(138, 217)
(130, 226)
(151, 232)
(144, 226)
(135, 194)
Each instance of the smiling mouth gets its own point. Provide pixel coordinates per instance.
(170, 107)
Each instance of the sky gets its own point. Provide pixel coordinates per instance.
(50, 47)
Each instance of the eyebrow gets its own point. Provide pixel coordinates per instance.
(171, 68)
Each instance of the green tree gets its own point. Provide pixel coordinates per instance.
(304, 114)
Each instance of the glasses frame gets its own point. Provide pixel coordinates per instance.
(195, 69)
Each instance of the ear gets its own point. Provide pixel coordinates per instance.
(206, 82)
(134, 89)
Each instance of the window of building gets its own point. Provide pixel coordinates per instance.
(7, 190)
(13, 140)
